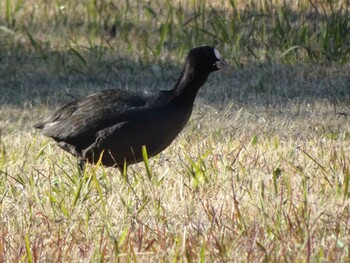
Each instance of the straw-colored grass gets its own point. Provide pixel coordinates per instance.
(260, 173)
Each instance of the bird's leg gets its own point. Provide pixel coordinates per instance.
(81, 165)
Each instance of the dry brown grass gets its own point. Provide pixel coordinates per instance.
(248, 180)
(260, 173)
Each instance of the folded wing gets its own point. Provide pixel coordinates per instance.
(80, 120)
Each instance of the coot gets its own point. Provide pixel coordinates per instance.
(115, 124)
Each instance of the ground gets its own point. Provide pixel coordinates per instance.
(260, 173)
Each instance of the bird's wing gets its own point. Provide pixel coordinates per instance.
(80, 120)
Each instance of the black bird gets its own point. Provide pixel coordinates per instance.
(115, 124)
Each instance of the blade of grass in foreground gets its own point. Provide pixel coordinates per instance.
(145, 160)
(346, 183)
(97, 184)
(29, 253)
(77, 194)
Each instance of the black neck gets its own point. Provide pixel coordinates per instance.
(188, 84)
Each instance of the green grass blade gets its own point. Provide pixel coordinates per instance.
(28, 249)
(8, 13)
(145, 161)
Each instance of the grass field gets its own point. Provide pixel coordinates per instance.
(260, 173)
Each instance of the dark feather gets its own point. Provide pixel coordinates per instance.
(116, 123)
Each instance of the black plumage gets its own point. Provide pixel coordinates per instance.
(115, 124)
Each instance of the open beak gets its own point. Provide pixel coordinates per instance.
(222, 65)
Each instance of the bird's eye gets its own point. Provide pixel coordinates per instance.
(217, 53)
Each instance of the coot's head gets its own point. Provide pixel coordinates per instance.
(206, 59)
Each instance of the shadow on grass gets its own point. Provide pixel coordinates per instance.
(257, 39)
(35, 81)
